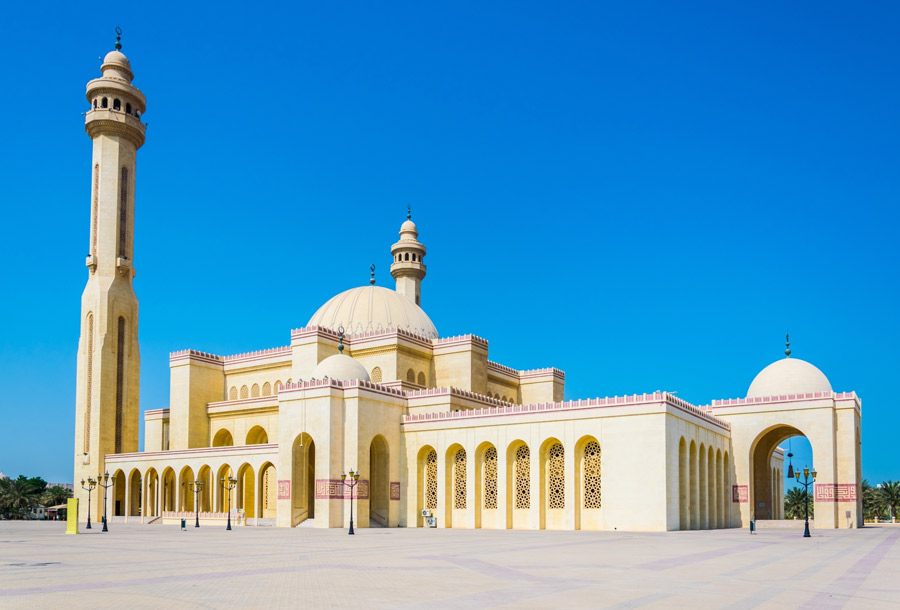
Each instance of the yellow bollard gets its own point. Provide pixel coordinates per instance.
(72, 516)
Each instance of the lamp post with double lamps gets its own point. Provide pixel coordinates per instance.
(354, 481)
(806, 482)
(105, 485)
(232, 483)
(196, 487)
(91, 485)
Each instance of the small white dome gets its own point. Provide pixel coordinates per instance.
(788, 376)
(372, 308)
(340, 367)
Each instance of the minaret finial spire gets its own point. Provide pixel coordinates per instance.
(408, 212)
(787, 341)
(341, 340)
(372, 269)
(118, 38)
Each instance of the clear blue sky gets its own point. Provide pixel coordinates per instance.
(645, 194)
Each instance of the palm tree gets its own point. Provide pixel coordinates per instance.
(794, 501)
(871, 501)
(55, 495)
(18, 496)
(889, 493)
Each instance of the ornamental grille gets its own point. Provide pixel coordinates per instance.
(376, 375)
(95, 202)
(90, 379)
(411, 376)
(254, 391)
(267, 389)
(431, 480)
(459, 480)
(244, 391)
(591, 475)
(421, 379)
(123, 213)
(120, 382)
(523, 477)
(490, 478)
(556, 477)
(232, 393)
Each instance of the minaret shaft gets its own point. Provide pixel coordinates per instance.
(108, 370)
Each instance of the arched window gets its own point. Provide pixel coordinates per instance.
(232, 393)
(127, 108)
(490, 478)
(523, 477)
(123, 213)
(267, 389)
(411, 376)
(431, 480)
(95, 210)
(406, 256)
(117, 104)
(104, 103)
(421, 378)
(95, 103)
(504, 399)
(275, 388)
(90, 377)
(459, 480)
(120, 382)
(376, 375)
(556, 477)
(414, 257)
(254, 391)
(591, 475)
(245, 392)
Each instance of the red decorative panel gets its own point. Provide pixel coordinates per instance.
(395, 490)
(740, 493)
(284, 489)
(335, 489)
(837, 492)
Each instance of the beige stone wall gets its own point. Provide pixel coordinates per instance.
(194, 383)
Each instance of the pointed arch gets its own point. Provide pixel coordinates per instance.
(486, 489)
(518, 486)
(684, 482)
(257, 436)
(245, 392)
(426, 481)
(553, 484)
(254, 391)
(379, 481)
(223, 438)
(587, 483)
(267, 389)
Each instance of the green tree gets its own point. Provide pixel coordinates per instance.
(794, 501)
(55, 495)
(18, 496)
(889, 493)
(871, 501)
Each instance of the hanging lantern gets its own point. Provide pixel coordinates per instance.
(790, 473)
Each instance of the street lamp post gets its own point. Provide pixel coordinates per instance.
(196, 487)
(806, 482)
(91, 485)
(354, 481)
(232, 483)
(105, 485)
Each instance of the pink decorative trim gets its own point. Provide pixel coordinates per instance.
(511, 409)
(740, 493)
(736, 402)
(334, 489)
(499, 368)
(450, 391)
(190, 354)
(181, 514)
(265, 401)
(530, 374)
(263, 354)
(308, 331)
(395, 490)
(187, 453)
(459, 339)
(835, 492)
(284, 489)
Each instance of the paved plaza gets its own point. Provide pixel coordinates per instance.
(157, 566)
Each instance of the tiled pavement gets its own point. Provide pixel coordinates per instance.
(155, 566)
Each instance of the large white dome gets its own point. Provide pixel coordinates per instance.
(371, 308)
(788, 376)
(340, 367)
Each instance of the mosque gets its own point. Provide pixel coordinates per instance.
(439, 434)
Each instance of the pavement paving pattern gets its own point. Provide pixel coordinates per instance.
(157, 566)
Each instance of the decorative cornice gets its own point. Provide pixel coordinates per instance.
(187, 453)
(361, 338)
(112, 127)
(272, 353)
(190, 354)
(460, 339)
(572, 405)
(737, 402)
(533, 373)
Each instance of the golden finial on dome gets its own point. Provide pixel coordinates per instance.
(408, 212)
(787, 350)
(341, 340)
(118, 38)
(372, 269)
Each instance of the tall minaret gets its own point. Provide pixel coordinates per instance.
(108, 377)
(408, 269)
